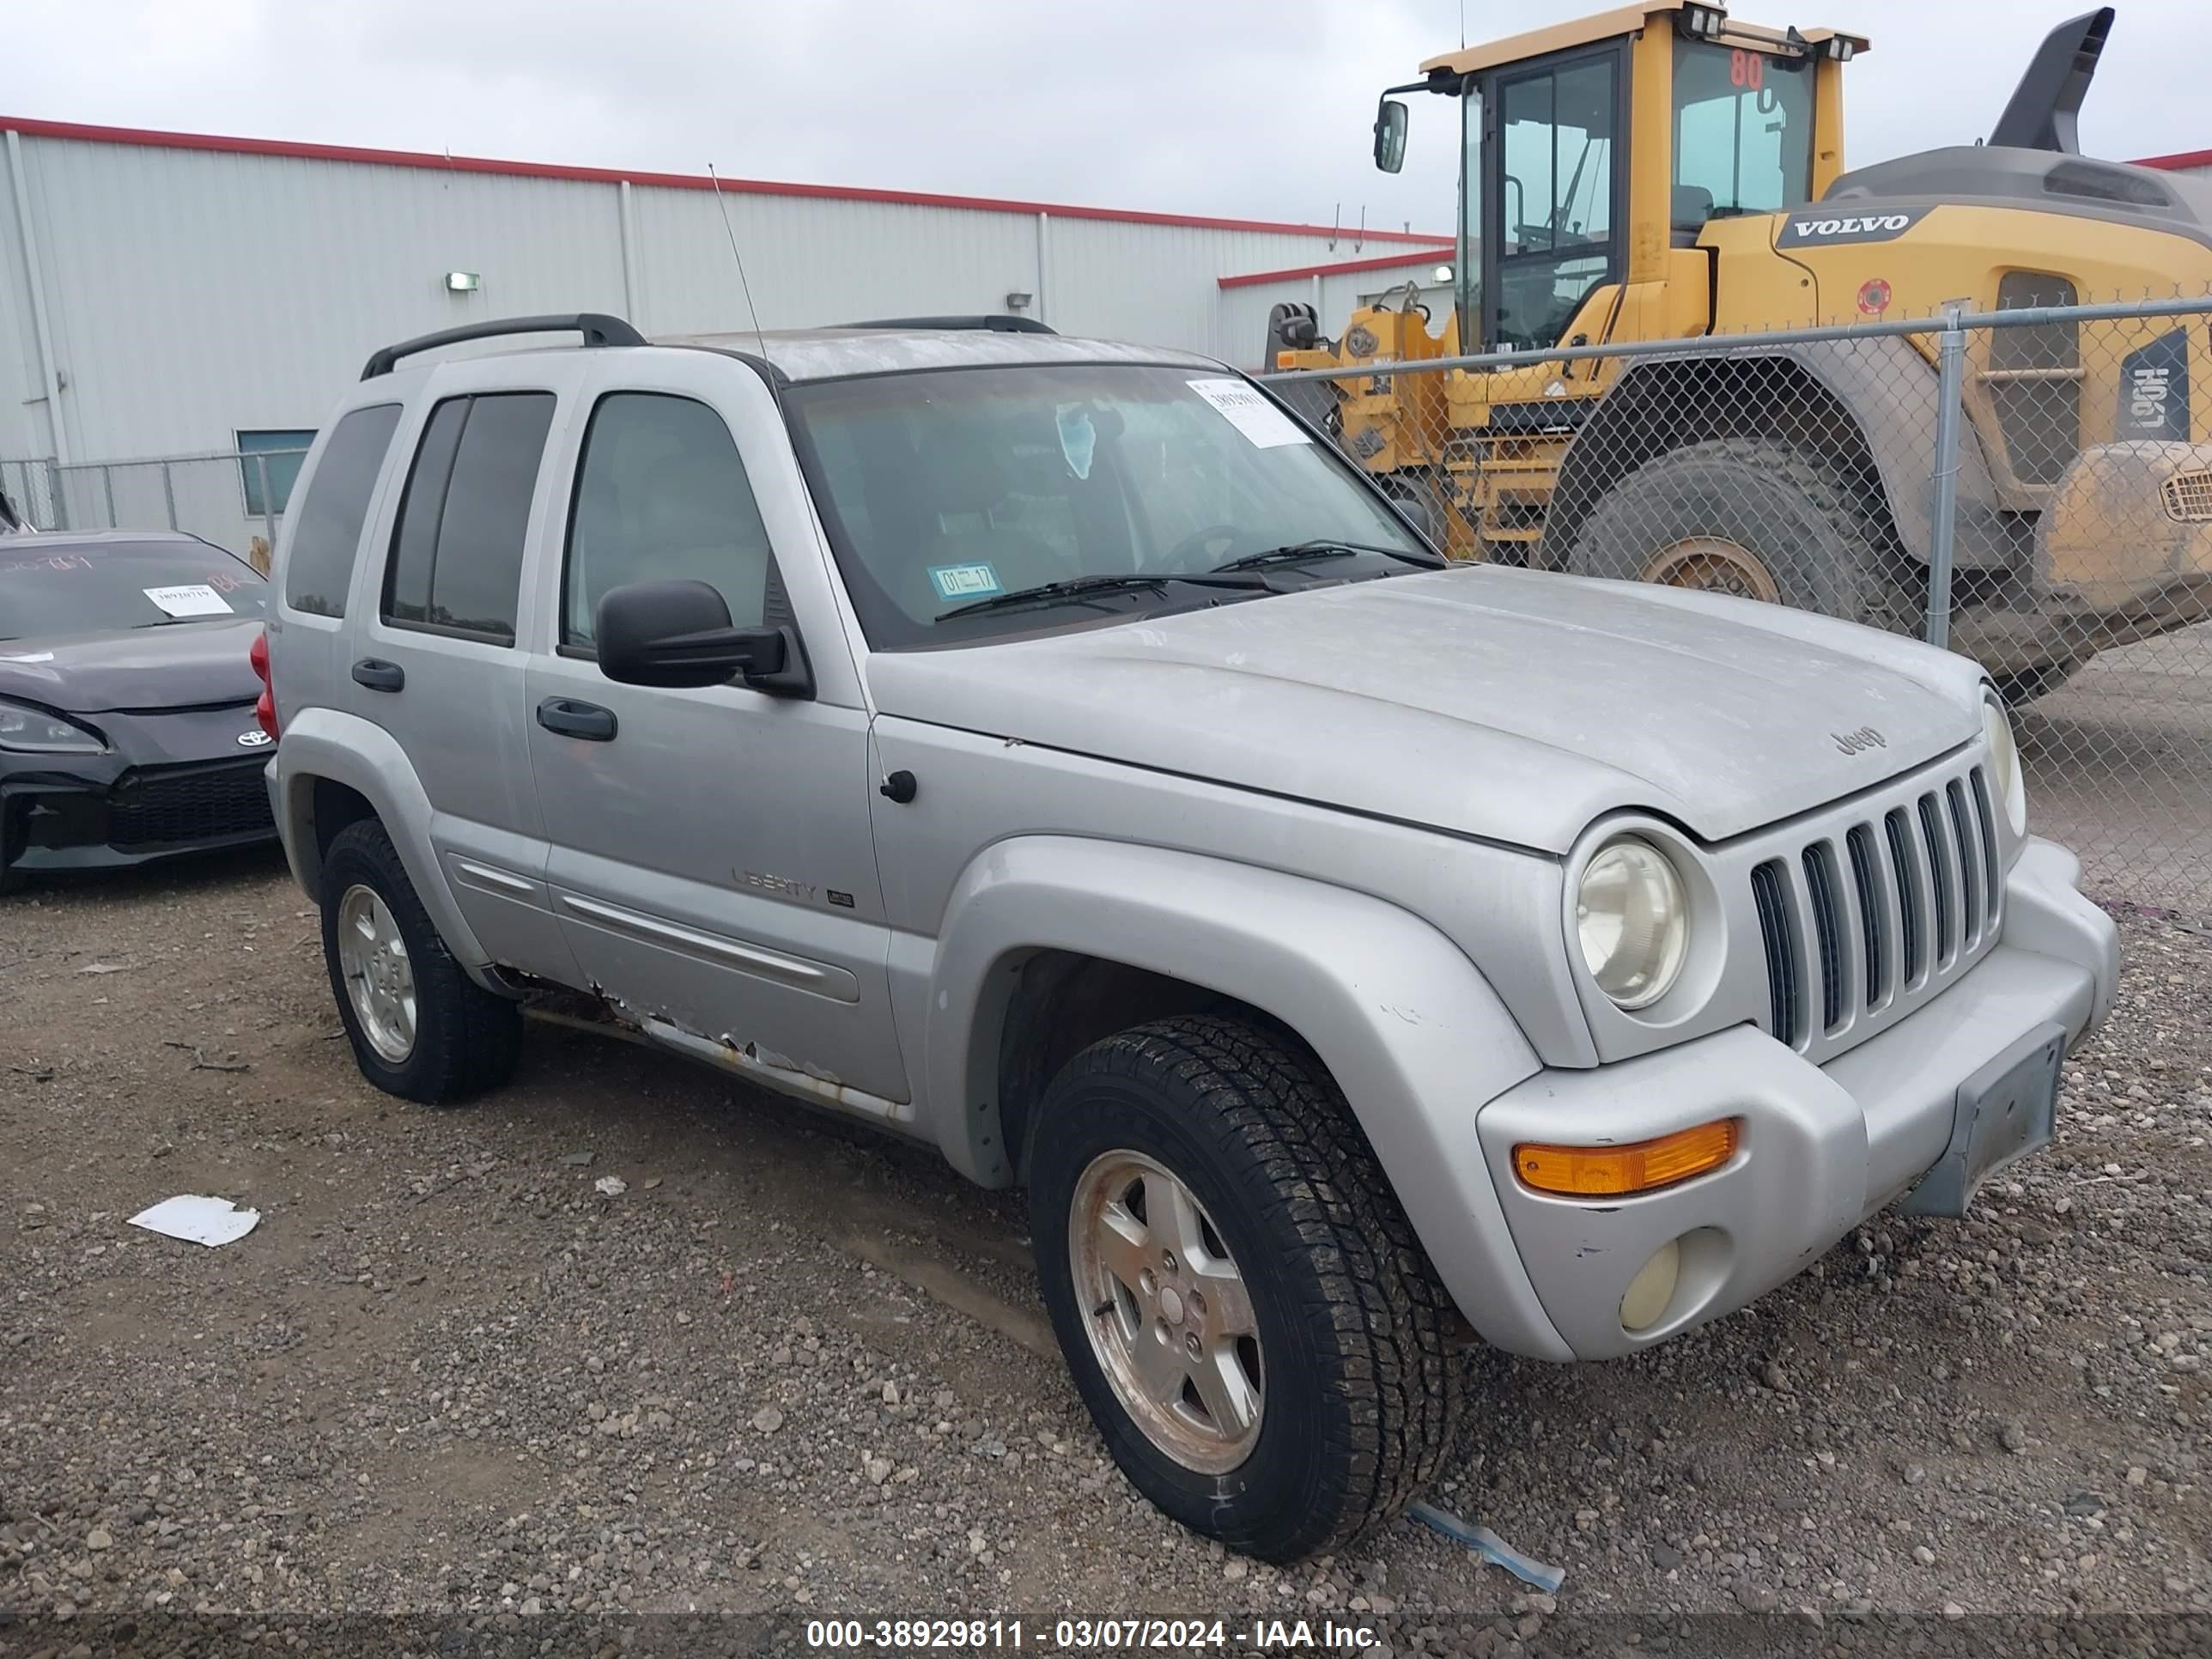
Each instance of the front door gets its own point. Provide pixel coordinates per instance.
(1556, 195)
(711, 856)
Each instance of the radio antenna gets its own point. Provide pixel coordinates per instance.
(760, 340)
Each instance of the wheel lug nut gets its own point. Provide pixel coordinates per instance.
(1167, 1261)
(1190, 1346)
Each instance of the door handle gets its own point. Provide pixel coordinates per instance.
(572, 718)
(378, 675)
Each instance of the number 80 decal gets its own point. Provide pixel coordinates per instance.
(1747, 69)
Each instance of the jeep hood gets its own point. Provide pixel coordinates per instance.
(1510, 705)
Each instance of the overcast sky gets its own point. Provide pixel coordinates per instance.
(1246, 108)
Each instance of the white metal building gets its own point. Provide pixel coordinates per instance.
(2190, 163)
(170, 294)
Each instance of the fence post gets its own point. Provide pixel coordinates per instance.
(56, 497)
(1950, 381)
(170, 494)
(268, 507)
(107, 484)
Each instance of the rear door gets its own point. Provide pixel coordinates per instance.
(712, 857)
(435, 661)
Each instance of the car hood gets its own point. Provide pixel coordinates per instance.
(143, 668)
(1511, 705)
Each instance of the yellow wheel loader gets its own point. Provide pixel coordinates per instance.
(1665, 172)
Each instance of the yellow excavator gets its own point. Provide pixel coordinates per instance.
(1666, 171)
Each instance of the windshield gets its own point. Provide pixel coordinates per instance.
(945, 488)
(90, 587)
(1743, 132)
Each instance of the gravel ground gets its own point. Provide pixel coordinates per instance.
(2120, 767)
(790, 1371)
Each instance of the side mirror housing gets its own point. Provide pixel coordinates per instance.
(1413, 507)
(679, 634)
(1389, 134)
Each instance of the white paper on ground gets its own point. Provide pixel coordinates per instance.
(198, 1220)
(1247, 409)
(190, 599)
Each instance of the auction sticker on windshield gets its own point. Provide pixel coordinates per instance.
(190, 599)
(1247, 409)
(964, 582)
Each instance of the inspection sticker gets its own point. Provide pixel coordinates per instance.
(191, 599)
(964, 582)
(1247, 409)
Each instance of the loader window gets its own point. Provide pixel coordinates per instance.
(1743, 132)
(1558, 178)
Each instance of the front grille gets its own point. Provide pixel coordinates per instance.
(2188, 497)
(166, 806)
(1920, 902)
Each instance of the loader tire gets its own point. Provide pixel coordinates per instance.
(1761, 520)
(2025, 685)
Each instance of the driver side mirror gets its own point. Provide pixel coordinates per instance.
(679, 634)
(1389, 134)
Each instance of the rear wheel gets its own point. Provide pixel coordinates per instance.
(421, 1028)
(1756, 520)
(1241, 1300)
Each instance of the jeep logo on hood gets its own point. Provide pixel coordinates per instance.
(1808, 228)
(1858, 741)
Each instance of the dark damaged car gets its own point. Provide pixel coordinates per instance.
(127, 693)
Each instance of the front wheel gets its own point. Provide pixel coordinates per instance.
(1245, 1308)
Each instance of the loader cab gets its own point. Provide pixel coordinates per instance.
(1590, 151)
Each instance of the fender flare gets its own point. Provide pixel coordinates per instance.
(1409, 1027)
(1882, 386)
(327, 743)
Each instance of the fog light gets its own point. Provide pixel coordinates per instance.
(1652, 1288)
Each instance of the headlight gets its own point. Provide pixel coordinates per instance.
(35, 732)
(2004, 764)
(1633, 921)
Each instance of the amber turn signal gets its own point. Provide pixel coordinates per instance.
(1641, 1167)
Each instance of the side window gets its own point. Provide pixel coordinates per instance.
(455, 563)
(319, 568)
(661, 496)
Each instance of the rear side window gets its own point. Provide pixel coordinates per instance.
(661, 496)
(456, 564)
(319, 568)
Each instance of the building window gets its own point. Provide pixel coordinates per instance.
(284, 450)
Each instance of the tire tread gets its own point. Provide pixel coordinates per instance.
(1393, 1324)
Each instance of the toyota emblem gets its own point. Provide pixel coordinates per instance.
(254, 740)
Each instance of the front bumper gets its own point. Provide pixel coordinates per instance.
(1819, 1148)
(181, 783)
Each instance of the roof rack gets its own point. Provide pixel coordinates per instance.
(996, 323)
(596, 327)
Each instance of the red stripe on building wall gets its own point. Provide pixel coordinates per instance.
(2187, 158)
(404, 158)
(1388, 262)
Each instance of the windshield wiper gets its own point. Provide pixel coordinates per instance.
(1075, 589)
(1325, 547)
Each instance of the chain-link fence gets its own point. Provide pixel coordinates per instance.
(235, 499)
(2029, 486)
